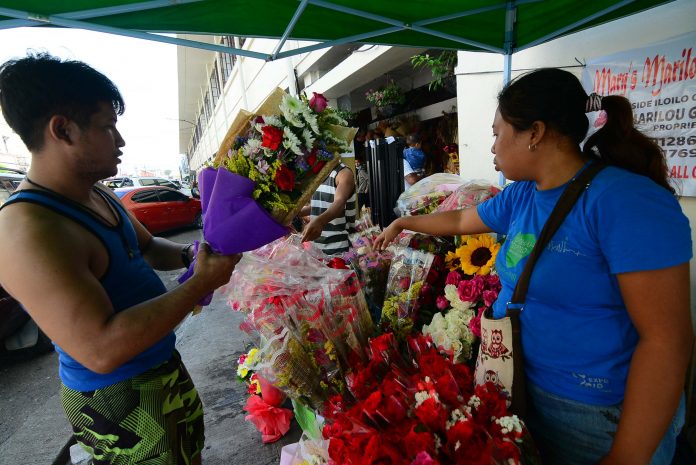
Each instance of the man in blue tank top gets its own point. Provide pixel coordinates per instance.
(83, 267)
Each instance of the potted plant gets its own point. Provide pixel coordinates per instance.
(387, 99)
(441, 66)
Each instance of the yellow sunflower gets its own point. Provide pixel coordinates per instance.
(452, 261)
(477, 256)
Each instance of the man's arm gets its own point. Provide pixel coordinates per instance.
(72, 308)
(345, 187)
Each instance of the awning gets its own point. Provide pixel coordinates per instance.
(477, 25)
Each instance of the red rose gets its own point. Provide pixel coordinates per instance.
(416, 442)
(272, 137)
(432, 414)
(316, 168)
(318, 102)
(284, 177)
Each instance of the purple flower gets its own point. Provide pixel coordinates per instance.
(262, 166)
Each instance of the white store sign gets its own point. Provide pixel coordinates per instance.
(660, 82)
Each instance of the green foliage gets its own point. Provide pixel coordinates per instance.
(441, 66)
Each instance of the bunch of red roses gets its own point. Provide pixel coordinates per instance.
(421, 409)
(309, 314)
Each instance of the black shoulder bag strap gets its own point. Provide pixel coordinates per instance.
(565, 204)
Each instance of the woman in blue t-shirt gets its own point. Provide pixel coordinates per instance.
(606, 328)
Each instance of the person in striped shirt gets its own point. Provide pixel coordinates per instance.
(332, 212)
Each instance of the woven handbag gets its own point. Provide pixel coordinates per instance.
(500, 358)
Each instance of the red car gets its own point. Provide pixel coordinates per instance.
(161, 208)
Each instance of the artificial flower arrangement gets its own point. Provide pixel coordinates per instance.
(391, 94)
(471, 287)
(310, 316)
(421, 408)
(264, 402)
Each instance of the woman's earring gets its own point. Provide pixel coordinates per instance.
(532, 147)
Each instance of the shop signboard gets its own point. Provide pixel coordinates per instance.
(660, 82)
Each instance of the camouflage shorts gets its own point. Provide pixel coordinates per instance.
(155, 418)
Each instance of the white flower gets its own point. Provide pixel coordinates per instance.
(421, 396)
(252, 148)
(291, 141)
(308, 138)
(474, 401)
(510, 424)
(291, 106)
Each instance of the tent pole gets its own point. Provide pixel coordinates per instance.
(510, 26)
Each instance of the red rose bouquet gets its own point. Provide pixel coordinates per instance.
(421, 408)
(312, 319)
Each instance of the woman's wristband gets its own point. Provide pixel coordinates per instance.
(185, 255)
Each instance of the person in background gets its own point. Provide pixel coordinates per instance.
(124, 388)
(332, 212)
(606, 327)
(414, 161)
(363, 183)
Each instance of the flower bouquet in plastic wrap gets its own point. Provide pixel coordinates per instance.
(312, 319)
(410, 405)
(407, 276)
(427, 194)
(469, 194)
(372, 267)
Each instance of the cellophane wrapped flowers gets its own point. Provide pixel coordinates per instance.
(426, 195)
(372, 267)
(412, 406)
(312, 320)
(407, 276)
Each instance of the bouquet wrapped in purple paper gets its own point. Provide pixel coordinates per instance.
(267, 168)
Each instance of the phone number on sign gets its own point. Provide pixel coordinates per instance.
(678, 143)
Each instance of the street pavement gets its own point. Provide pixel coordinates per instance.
(34, 431)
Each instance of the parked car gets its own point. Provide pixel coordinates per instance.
(9, 182)
(20, 338)
(146, 181)
(161, 208)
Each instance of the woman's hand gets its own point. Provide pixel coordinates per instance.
(386, 236)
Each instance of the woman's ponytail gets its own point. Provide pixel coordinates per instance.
(620, 144)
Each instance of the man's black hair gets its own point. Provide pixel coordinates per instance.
(39, 86)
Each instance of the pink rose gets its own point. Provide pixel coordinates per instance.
(441, 302)
(489, 297)
(318, 102)
(453, 277)
(470, 291)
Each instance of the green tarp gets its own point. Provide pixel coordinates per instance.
(489, 25)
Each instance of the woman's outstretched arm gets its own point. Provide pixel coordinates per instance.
(436, 224)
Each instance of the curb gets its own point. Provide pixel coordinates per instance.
(63, 457)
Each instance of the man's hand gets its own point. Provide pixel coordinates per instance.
(214, 270)
(312, 230)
